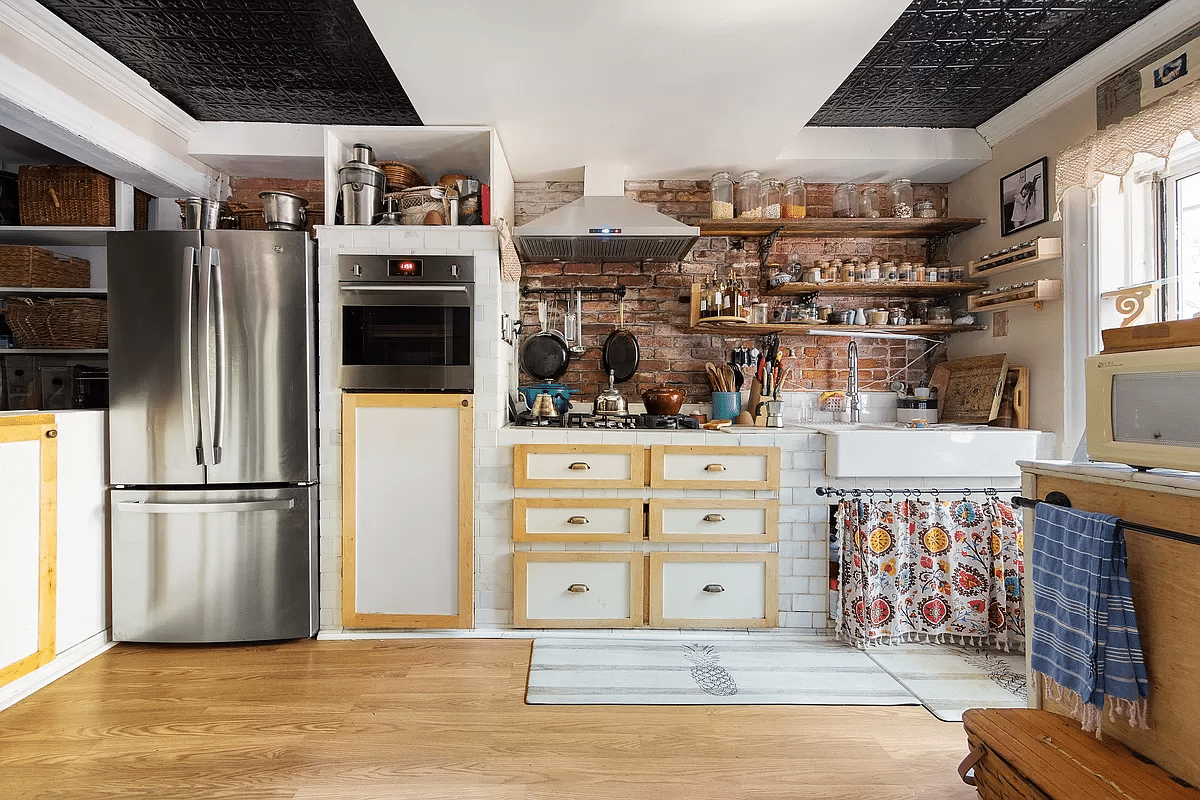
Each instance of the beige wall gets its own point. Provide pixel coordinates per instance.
(1035, 337)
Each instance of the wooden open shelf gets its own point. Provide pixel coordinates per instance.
(1044, 248)
(802, 328)
(51, 235)
(877, 288)
(1044, 289)
(843, 228)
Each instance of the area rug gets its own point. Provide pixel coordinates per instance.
(949, 679)
(570, 671)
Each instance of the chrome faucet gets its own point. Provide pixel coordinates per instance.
(853, 398)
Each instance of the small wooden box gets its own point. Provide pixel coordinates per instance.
(1028, 754)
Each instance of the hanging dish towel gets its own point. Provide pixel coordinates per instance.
(510, 264)
(1085, 637)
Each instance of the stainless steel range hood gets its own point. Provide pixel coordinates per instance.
(604, 225)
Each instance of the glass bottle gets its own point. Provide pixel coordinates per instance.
(868, 204)
(749, 195)
(722, 196)
(772, 194)
(795, 199)
(845, 200)
(900, 193)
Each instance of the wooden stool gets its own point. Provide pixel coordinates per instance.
(1027, 754)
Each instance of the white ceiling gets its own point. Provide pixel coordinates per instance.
(669, 88)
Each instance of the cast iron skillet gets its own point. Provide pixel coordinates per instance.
(545, 355)
(620, 354)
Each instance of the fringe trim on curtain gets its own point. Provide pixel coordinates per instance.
(999, 641)
(1136, 712)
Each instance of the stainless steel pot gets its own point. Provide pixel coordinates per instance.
(200, 213)
(610, 402)
(284, 211)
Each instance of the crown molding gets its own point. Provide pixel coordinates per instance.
(1090, 71)
(37, 24)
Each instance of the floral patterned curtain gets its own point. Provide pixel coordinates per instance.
(930, 570)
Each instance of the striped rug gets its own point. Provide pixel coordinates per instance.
(949, 679)
(702, 671)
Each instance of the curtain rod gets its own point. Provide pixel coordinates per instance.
(1060, 499)
(834, 491)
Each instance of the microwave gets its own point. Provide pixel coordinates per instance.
(1143, 408)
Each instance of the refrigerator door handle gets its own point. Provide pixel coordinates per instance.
(141, 507)
(220, 376)
(204, 328)
(191, 410)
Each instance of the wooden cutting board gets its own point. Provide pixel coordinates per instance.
(969, 389)
(1156, 336)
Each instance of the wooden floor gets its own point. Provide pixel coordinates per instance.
(430, 719)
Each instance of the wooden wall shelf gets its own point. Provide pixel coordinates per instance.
(802, 329)
(877, 288)
(1044, 289)
(1043, 248)
(834, 228)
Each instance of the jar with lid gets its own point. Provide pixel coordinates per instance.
(888, 271)
(925, 210)
(868, 202)
(795, 199)
(721, 188)
(749, 195)
(845, 200)
(905, 271)
(845, 271)
(958, 272)
(873, 270)
(772, 194)
(832, 273)
(900, 193)
(860, 269)
(932, 274)
(918, 273)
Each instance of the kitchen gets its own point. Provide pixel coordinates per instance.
(970, 196)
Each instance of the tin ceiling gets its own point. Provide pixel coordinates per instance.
(944, 63)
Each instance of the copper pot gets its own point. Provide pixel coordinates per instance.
(662, 400)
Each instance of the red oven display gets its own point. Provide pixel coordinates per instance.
(404, 268)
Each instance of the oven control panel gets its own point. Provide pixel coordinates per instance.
(406, 269)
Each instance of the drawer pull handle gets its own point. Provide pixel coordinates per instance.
(715, 468)
(577, 588)
(578, 520)
(714, 588)
(579, 465)
(713, 518)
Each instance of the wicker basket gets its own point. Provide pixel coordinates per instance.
(417, 202)
(58, 322)
(400, 176)
(22, 265)
(52, 194)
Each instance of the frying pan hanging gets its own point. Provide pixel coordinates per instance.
(620, 354)
(545, 355)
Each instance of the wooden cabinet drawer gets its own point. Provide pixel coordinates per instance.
(574, 465)
(578, 590)
(705, 467)
(554, 519)
(714, 590)
(714, 520)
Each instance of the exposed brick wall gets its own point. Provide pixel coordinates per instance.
(653, 311)
(245, 190)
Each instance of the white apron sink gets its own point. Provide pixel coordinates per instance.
(942, 451)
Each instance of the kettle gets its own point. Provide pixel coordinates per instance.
(610, 402)
(543, 406)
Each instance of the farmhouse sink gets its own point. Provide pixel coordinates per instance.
(941, 451)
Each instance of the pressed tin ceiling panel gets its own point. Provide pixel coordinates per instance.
(957, 63)
(293, 61)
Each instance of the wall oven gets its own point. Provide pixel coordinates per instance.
(406, 323)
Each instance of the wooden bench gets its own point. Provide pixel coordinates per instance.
(1027, 754)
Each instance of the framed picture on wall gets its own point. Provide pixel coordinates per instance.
(1023, 198)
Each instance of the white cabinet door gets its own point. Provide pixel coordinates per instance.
(714, 590)
(28, 468)
(407, 511)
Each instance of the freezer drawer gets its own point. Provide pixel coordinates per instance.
(228, 565)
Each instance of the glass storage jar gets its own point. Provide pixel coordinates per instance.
(722, 196)
(868, 202)
(845, 200)
(925, 210)
(795, 199)
(749, 195)
(900, 193)
(772, 194)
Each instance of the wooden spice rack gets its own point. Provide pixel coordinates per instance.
(1041, 290)
(876, 288)
(1043, 248)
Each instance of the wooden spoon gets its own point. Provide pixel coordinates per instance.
(713, 377)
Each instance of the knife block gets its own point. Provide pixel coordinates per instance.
(757, 405)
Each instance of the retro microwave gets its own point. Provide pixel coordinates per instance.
(1143, 408)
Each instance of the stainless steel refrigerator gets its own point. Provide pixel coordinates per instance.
(212, 435)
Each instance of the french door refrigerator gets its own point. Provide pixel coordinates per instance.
(212, 435)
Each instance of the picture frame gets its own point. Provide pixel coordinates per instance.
(1023, 198)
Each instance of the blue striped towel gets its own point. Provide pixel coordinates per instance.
(1085, 637)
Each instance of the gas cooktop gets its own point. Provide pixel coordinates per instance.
(611, 421)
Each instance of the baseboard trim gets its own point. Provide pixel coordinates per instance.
(64, 662)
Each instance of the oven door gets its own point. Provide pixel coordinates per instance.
(411, 338)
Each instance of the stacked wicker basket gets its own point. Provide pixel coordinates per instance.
(56, 321)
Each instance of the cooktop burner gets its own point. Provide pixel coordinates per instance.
(610, 421)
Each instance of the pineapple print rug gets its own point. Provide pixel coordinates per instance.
(949, 679)
(616, 671)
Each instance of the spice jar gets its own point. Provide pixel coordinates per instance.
(845, 200)
(721, 187)
(749, 195)
(860, 270)
(868, 202)
(888, 271)
(918, 273)
(900, 193)
(905, 271)
(872, 270)
(772, 193)
(832, 273)
(925, 210)
(845, 271)
(795, 199)
(958, 272)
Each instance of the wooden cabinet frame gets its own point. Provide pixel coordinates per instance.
(658, 506)
(521, 505)
(659, 453)
(637, 580)
(770, 563)
(635, 479)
